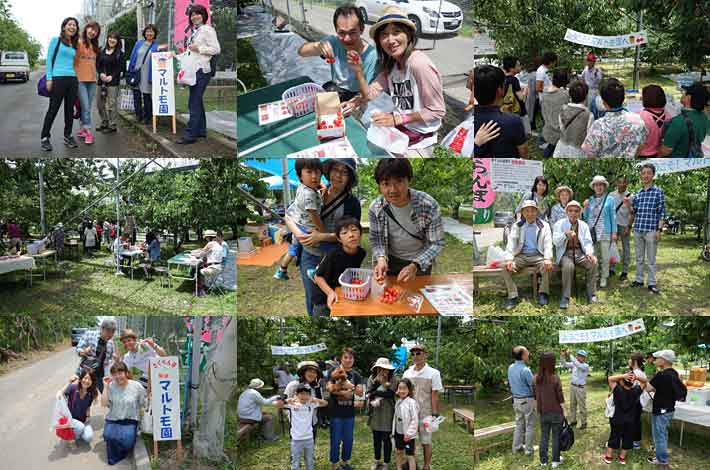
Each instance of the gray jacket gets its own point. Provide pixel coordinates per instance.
(516, 240)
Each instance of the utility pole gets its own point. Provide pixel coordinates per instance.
(40, 166)
(637, 59)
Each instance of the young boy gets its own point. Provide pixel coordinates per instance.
(304, 210)
(349, 254)
(301, 410)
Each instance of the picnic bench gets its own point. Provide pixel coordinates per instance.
(483, 271)
(466, 417)
(488, 433)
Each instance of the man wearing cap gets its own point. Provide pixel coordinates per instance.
(624, 220)
(97, 350)
(600, 215)
(676, 138)
(577, 391)
(520, 379)
(137, 356)
(249, 409)
(668, 389)
(574, 247)
(648, 208)
(213, 254)
(529, 245)
(427, 386)
(592, 76)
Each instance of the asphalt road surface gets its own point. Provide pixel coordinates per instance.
(21, 121)
(26, 440)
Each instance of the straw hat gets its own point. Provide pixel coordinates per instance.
(209, 233)
(256, 383)
(382, 363)
(303, 365)
(529, 203)
(418, 347)
(392, 14)
(573, 203)
(559, 189)
(598, 179)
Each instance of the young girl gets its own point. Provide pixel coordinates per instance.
(111, 65)
(626, 395)
(80, 393)
(85, 66)
(62, 84)
(405, 424)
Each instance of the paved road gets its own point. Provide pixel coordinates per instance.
(26, 441)
(488, 236)
(21, 126)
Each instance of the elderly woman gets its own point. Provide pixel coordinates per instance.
(338, 201)
(249, 406)
(308, 373)
(564, 194)
(203, 46)
(408, 76)
(125, 399)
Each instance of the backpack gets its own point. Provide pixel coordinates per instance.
(680, 391)
(510, 101)
(695, 149)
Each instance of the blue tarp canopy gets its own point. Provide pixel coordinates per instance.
(276, 182)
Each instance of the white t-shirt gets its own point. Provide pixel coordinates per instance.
(542, 74)
(139, 359)
(215, 253)
(425, 381)
(307, 199)
(301, 418)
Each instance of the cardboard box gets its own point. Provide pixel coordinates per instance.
(330, 123)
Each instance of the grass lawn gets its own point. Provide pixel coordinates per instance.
(683, 278)
(452, 447)
(91, 286)
(260, 294)
(590, 443)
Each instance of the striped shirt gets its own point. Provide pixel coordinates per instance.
(649, 209)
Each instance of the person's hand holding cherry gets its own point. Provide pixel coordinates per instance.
(354, 62)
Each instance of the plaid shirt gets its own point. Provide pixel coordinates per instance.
(91, 338)
(425, 216)
(649, 209)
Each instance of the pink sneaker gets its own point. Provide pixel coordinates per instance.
(88, 137)
(82, 133)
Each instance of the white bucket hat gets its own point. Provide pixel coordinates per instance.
(382, 363)
(209, 233)
(256, 383)
(598, 179)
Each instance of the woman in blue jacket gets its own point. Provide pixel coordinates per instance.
(62, 84)
(141, 61)
(600, 215)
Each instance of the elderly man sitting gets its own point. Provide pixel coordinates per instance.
(573, 243)
(249, 408)
(213, 253)
(529, 244)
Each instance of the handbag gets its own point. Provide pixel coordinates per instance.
(566, 436)
(42, 84)
(610, 407)
(133, 79)
(594, 227)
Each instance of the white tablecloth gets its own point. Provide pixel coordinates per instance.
(16, 264)
(692, 414)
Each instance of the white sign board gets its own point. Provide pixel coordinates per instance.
(675, 165)
(602, 334)
(513, 175)
(297, 350)
(607, 42)
(165, 397)
(163, 84)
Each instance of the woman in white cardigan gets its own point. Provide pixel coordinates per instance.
(203, 45)
(405, 424)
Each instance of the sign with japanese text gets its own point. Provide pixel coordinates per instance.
(513, 175)
(483, 194)
(165, 397)
(163, 84)
(607, 42)
(297, 350)
(675, 165)
(602, 334)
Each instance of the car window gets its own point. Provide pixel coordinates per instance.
(14, 56)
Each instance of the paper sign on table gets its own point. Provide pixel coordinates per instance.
(448, 299)
(336, 148)
(273, 112)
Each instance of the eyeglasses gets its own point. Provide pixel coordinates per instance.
(418, 353)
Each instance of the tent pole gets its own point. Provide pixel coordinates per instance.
(286, 183)
(637, 59)
(438, 339)
(42, 226)
(118, 218)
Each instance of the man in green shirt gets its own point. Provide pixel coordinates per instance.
(676, 140)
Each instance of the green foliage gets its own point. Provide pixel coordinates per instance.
(21, 333)
(248, 68)
(224, 19)
(127, 27)
(14, 38)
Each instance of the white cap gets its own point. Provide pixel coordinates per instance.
(666, 354)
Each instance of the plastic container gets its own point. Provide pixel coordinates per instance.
(301, 99)
(354, 291)
(245, 246)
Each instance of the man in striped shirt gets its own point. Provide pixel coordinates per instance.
(648, 211)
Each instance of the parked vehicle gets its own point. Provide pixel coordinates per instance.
(503, 218)
(425, 14)
(14, 65)
(76, 334)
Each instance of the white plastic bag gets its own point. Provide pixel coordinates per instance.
(613, 254)
(382, 104)
(388, 138)
(610, 408)
(431, 424)
(495, 257)
(460, 140)
(62, 420)
(188, 69)
(147, 420)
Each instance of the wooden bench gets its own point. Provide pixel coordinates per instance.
(490, 432)
(483, 272)
(466, 417)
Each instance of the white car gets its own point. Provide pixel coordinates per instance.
(425, 14)
(14, 65)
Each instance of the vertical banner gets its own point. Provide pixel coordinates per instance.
(182, 32)
(483, 194)
(163, 84)
(165, 398)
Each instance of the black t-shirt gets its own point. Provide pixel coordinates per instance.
(332, 266)
(512, 132)
(625, 402)
(664, 398)
(344, 408)
(512, 80)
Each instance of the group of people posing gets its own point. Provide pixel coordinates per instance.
(649, 384)
(78, 68)
(570, 235)
(406, 229)
(582, 115)
(396, 407)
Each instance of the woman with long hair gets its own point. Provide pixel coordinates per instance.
(203, 46)
(85, 65)
(125, 399)
(140, 63)
(549, 399)
(408, 76)
(111, 67)
(537, 193)
(80, 393)
(62, 83)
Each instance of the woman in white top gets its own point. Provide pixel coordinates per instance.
(125, 399)
(203, 45)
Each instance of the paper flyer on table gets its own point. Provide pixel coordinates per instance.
(273, 112)
(336, 148)
(448, 299)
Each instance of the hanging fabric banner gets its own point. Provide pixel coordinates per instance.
(602, 334)
(297, 350)
(607, 42)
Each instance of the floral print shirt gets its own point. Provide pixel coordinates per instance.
(618, 135)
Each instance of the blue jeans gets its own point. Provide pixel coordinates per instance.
(660, 424)
(550, 423)
(341, 430)
(87, 91)
(308, 261)
(197, 125)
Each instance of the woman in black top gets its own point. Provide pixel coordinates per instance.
(111, 67)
